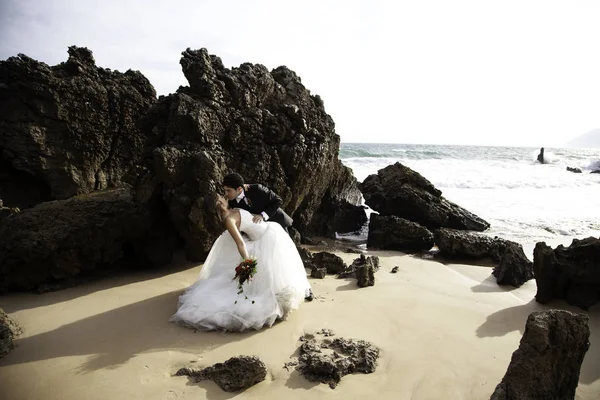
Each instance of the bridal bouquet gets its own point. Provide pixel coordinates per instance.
(244, 272)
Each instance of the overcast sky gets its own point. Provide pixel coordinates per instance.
(482, 72)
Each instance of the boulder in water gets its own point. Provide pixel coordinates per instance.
(540, 156)
(398, 190)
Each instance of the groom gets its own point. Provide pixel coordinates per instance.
(259, 200)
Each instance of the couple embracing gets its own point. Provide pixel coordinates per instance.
(253, 225)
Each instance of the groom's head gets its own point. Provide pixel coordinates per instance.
(233, 184)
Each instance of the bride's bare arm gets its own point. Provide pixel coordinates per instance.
(237, 237)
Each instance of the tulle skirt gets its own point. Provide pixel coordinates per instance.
(278, 287)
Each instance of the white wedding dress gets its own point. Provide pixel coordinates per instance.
(279, 285)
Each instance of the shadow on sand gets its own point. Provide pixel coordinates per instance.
(13, 302)
(119, 335)
(514, 318)
(490, 285)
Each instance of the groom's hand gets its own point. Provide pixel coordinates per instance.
(257, 218)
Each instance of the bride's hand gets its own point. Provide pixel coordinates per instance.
(257, 218)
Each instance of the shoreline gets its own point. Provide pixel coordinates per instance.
(444, 329)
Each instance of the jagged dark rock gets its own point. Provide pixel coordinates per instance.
(575, 170)
(327, 360)
(237, 373)
(67, 129)
(596, 171)
(336, 216)
(263, 124)
(457, 244)
(318, 273)
(397, 190)
(365, 274)
(332, 263)
(363, 269)
(394, 233)
(83, 131)
(58, 240)
(540, 156)
(515, 268)
(8, 331)
(548, 361)
(571, 273)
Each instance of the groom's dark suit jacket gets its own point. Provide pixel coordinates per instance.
(261, 198)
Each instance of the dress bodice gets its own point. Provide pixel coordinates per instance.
(254, 231)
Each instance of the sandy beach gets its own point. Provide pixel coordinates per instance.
(445, 331)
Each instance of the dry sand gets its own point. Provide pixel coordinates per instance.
(445, 331)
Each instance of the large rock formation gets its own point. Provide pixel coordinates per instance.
(67, 129)
(398, 190)
(75, 129)
(63, 239)
(571, 273)
(547, 363)
(264, 125)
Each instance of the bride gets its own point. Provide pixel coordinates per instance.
(278, 287)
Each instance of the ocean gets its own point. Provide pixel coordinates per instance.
(523, 200)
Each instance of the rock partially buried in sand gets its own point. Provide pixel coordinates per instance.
(457, 244)
(365, 275)
(318, 273)
(363, 269)
(64, 239)
(547, 363)
(235, 374)
(327, 361)
(395, 233)
(334, 264)
(571, 273)
(8, 331)
(514, 268)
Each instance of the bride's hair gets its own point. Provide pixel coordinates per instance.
(213, 219)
